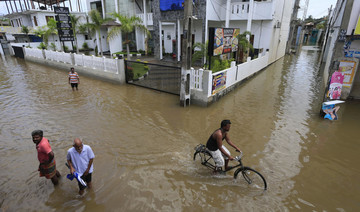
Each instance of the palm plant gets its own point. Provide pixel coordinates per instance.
(75, 27)
(128, 25)
(201, 54)
(45, 31)
(243, 45)
(25, 30)
(95, 25)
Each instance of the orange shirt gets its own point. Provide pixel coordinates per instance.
(43, 149)
(74, 77)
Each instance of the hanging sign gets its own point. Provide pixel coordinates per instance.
(63, 24)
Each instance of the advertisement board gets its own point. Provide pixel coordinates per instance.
(223, 40)
(219, 82)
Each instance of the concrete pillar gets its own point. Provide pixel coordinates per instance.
(250, 16)
(178, 40)
(228, 11)
(160, 39)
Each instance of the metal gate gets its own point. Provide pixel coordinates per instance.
(155, 76)
(18, 51)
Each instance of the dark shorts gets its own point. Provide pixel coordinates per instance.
(87, 179)
(74, 85)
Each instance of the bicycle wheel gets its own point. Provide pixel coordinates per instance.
(205, 158)
(253, 178)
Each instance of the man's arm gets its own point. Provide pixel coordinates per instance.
(89, 166)
(78, 78)
(227, 138)
(72, 170)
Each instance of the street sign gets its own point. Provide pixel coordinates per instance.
(65, 32)
(62, 17)
(61, 25)
(61, 10)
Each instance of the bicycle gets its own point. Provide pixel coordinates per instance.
(251, 176)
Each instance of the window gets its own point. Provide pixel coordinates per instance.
(35, 21)
(48, 18)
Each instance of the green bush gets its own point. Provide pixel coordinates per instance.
(146, 68)
(219, 65)
(129, 73)
(42, 46)
(85, 45)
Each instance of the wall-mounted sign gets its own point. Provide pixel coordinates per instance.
(219, 82)
(223, 40)
(347, 68)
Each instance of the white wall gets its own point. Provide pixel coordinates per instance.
(215, 10)
(115, 44)
(355, 13)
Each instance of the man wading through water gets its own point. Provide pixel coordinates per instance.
(218, 151)
(47, 167)
(74, 79)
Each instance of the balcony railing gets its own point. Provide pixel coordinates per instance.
(261, 11)
(149, 18)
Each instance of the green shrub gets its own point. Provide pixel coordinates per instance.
(42, 46)
(85, 45)
(146, 68)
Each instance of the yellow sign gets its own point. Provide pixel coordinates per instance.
(357, 29)
(348, 70)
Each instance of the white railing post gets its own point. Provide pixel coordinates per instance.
(104, 64)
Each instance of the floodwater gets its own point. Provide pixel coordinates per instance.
(144, 142)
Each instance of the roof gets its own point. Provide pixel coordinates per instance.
(111, 23)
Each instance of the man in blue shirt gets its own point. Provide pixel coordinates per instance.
(80, 158)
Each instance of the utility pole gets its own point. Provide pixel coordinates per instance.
(302, 26)
(186, 53)
(293, 25)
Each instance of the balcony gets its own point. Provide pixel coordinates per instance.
(261, 11)
(149, 18)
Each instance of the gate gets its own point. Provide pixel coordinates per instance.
(154, 76)
(18, 51)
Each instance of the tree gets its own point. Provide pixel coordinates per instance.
(25, 30)
(128, 25)
(45, 31)
(95, 25)
(75, 27)
(243, 46)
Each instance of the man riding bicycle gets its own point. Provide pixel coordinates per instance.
(218, 151)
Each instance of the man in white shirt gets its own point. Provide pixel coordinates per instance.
(80, 158)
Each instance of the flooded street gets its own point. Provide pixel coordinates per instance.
(144, 143)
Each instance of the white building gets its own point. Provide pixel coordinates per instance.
(36, 13)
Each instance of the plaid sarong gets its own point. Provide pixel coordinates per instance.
(48, 170)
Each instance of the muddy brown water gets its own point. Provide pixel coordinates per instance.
(143, 143)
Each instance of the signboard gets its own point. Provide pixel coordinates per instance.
(61, 10)
(62, 17)
(67, 38)
(63, 24)
(223, 40)
(219, 82)
(348, 70)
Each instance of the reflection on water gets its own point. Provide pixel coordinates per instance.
(143, 142)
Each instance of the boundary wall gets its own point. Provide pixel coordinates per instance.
(201, 80)
(107, 69)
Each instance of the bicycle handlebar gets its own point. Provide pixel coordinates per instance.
(239, 157)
